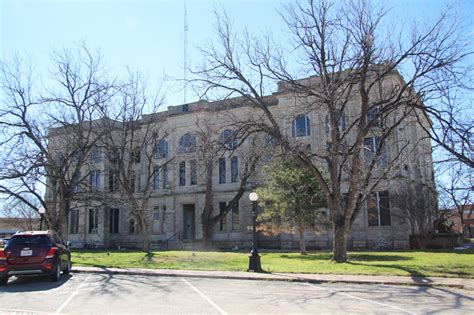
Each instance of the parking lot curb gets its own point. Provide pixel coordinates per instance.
(458, 283)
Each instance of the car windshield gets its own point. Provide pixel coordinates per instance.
(29, 240)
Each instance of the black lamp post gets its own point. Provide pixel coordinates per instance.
(254, 258)
(41, 211)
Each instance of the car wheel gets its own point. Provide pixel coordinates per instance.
(3, 280)
(56, 273)
(68, 268)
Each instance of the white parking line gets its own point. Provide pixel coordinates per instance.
(205, 297)
(359, 298)
(60, 308)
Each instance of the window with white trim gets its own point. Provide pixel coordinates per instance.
(378, 209)
(301, 126)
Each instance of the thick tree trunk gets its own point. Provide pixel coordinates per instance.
(207, 235)
(340, 244)
(206, 215)
(302, 241)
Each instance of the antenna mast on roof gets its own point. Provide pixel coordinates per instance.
(185, 52)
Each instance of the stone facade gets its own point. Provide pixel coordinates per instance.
(175, 211)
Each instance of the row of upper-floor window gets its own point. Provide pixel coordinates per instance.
(301, 127)
(373, 149)
(160, 176)
(187, 144)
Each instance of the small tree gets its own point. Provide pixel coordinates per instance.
(293, 200)
(455, 183)
(418, 205)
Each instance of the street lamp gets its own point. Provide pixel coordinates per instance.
(41, 211)
(254, 258)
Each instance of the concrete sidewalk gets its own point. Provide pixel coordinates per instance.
(460, 283)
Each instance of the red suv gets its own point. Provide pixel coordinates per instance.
(35, 253)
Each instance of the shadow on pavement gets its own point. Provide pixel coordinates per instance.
(30, 284)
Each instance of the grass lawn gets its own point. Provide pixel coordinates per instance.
(442, 263)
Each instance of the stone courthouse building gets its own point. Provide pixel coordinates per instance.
(178, 193)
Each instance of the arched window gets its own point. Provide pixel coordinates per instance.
(161, 149)
(187, 143)
(301, 126)
(227, 139)
(341, 122)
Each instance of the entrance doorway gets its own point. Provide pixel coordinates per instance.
(189, 223)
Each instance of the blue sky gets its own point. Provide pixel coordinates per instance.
(147, 35)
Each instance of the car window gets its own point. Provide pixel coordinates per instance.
(29, 240)
(60, 240)
(56, 239)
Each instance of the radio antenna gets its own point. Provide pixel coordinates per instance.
(185, 74)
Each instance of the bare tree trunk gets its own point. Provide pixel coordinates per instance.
(302, 240)
(144, 233)
(340, 243)
(206, 216)
(421, 241)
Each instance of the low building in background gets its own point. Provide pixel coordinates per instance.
(9, 226)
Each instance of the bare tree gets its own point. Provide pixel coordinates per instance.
(226, 146)
(131, 144)
(419, 208)
(455, 182)
(364, 78)
(26, 218)
(49, 129)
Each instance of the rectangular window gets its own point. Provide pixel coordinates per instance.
(236, 218)
(156, 177)
(182, 173)
(193, 166)
(156, 213)
(114, 155)
(165, 176)
(74, 222)
(136, 155)
(161, 149)
(371, 146)
(95, 155)
(114, 220)
(94, 179)
(93, 221)
(234, 169)
(378, 209)
(113, 181)
(76, 156)
(131, 182)
(373, 117)
(222, 171)
(76, 180)
(223, 221)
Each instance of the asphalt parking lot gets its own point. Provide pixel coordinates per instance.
(114, 294)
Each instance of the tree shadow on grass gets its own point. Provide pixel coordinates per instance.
(377, 257)
(352, 257)
(309, 257)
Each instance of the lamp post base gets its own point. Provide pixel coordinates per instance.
(254, 263)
